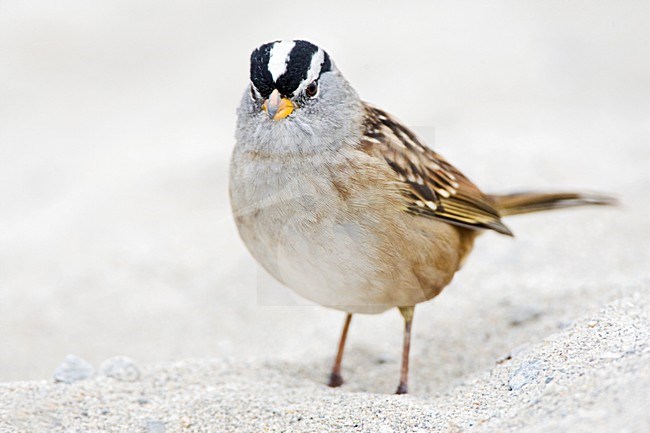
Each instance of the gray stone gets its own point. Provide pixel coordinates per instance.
(120, 368)
(154, 426)
(73, 369)
(524, 314)
(525, 374)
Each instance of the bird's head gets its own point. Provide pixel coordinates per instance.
(296, 93)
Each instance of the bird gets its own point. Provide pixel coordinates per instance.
(342, 203)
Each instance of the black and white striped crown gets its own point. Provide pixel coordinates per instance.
(288, 66)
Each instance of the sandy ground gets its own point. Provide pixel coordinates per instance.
(116, 238)
(591, 376)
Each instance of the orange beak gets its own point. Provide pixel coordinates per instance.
(277, 107)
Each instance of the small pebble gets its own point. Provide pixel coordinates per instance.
(73, 369)
(504, 358)
(385, 358)
(186, 422)
(120, 368)
(525, 374)
(552, 388)
(154, 426)
(548, 379)
(525, 314)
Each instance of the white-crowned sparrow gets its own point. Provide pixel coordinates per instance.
(345, 205)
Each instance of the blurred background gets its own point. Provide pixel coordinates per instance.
(117, 122)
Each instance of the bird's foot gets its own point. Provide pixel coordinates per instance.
(402, 389)
(335, 381)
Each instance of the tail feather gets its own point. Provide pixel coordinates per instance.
(526, 202)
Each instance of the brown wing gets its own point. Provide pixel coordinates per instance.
(433, 188)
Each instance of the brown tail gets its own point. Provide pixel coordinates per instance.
(526, 202)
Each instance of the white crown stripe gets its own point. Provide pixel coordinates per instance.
(317, 61)
(279, 57)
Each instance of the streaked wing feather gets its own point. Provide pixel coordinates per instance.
(432, 187)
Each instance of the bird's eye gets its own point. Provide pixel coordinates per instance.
(312, 89)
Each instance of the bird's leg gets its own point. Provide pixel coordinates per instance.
(407, 313)
(336, 379)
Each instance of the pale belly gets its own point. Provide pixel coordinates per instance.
(303, 232)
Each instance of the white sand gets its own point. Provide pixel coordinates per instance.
(593, 376)
(116, 238)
